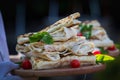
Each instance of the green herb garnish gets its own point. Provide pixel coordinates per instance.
(41, 36)
(47, 39)
(103, 51)
(35, 37)
(86, 30)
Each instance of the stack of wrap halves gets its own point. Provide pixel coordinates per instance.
(67, 45)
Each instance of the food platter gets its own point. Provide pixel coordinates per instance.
(65, 43)
(59, 71)
(62, 71)
(114, 53)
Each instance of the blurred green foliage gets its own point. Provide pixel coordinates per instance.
(117, 45)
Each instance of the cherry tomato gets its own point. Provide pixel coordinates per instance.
(111, 48)
(26, 64)
(79, 34)
(96, 52)
(75, 63)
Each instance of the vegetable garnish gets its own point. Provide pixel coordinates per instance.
(26, 64)
(111, 48)
(103, 51)
(79, 34)
(96, 52)
(41, 36)
(86, 30)
(102, 58)
(75, 63)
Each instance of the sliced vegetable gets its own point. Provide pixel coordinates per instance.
(75, 63)
(99, 58)
(41, 36)
(86, 30)
(102, 58)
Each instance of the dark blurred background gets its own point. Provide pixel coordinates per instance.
(23, 16)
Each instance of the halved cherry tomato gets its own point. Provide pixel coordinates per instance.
(96, 52)
(26, 64)
(79, 34)
(111, 48)
(75, 63)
